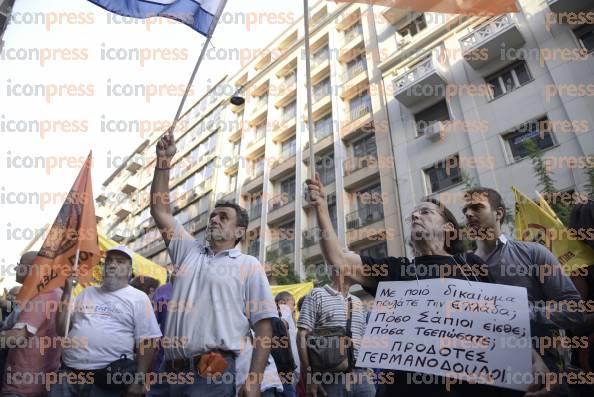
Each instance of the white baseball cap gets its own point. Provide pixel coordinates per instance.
(124, 250)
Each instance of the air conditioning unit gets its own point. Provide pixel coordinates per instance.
(434, 132)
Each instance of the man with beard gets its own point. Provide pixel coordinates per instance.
(108, 322)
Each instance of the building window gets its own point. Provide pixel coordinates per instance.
(286, 241)
(262, 101)
(290, 78)
(375, 251)
(359, 106)
(536, 131)
(289, 148)
(352, 32)
(232, 183)
(413, 28)
(585, 36)
(370, 208)
(355, 66)
(509, 79)
(365, 147)
(288, 188)
(260, 132)
(444, 174)
(289, 111)
(320, 55)
(322, 89)
(254, 246)
(425, 118)
(325, 167)
(256, 207)
(323, 127)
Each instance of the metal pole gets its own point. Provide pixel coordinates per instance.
(74, 269)
(312, 164)
(200, 58)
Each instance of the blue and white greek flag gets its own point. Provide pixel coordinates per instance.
(200, 15)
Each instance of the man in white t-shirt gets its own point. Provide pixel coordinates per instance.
(107, 323)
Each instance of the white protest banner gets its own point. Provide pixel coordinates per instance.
(471, 331)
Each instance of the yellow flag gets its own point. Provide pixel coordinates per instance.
(297, 290)
(546, 207)
(537, 224)
(141, 266)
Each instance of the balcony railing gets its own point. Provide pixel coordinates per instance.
(289, 114)
(364, 216)
(486, 31)
(354, 70)
(260, 104)
(352, 35)
(290, 80)
(259, 169)
(258, 136)
(280, 248)
(318, 59)
(281, 200)
(353, 164)
(288, 153)
(254, 248)
(422, 69)
(361, 110)
(321, 92)
(322, 132)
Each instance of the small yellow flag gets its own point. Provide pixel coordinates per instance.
(540, 224)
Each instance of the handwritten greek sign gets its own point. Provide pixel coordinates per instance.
(470, 331)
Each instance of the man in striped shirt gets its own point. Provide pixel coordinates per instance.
(327, 307)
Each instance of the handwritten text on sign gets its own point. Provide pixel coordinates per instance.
(466, 330)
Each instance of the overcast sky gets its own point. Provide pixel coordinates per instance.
(56, 52)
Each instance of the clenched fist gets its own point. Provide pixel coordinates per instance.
(166, 149)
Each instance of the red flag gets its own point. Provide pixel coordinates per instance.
(75, 228)
(467, 7)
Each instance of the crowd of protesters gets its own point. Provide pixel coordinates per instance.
(213, 329)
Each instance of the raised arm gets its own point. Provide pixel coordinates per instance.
(349, 263)
(160, 209)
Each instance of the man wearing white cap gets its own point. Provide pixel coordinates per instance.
(108, 323)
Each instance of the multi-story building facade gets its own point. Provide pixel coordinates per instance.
(466, 93)
(396, 119)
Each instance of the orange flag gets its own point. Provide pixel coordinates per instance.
(74, 229)
(466, 7)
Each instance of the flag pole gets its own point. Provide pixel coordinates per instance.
(200, 58)
(312, 167)
(74, 269)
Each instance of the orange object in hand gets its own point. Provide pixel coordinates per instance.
(211, 364)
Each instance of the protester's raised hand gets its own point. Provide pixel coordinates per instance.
(315, 192)
(166, 149)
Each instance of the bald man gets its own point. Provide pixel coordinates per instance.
(34, 348)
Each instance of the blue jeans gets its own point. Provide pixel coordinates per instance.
(289, 390)
(355, 384)
(191, 384)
